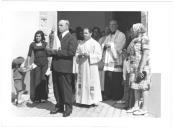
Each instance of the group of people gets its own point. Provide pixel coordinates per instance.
(83, 64)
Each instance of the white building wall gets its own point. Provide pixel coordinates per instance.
(47, 21)
(23, 26)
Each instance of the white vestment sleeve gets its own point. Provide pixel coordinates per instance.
(96, 55)
(114, 51)
(122, 40)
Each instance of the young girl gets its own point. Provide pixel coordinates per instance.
(18, 77)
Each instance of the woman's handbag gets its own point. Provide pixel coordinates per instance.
(140, 83)
(139, 78)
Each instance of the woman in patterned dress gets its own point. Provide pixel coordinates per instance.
(138, 55)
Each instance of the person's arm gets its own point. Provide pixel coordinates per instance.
(96, 56)
(79, 53)
(69, 52)
(116, 47)
(48, 57)
(119, 46)
(22, 70)
(145, 54)
(144, 58)
(29, 54)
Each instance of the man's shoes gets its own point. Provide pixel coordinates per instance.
(66, 114)
(56, 110)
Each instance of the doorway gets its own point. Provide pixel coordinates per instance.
(126, 19)
(100, 18)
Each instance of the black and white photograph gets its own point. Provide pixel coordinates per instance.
(105, 65)
(100, 67)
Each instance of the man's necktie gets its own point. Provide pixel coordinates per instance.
(60, 37)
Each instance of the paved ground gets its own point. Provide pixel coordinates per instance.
(104, 109)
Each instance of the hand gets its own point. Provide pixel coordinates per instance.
(80, 56)
(124, 82)
(124, 53)
(28, 66)
(26, 69)
(86, 55)
(101, 65)
(33, 65)
(140, 74)
(48, 72)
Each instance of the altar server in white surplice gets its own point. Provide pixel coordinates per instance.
(88, 54)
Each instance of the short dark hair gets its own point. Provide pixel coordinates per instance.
(42, 35)
(96, 28)
(16, 63)
(78, 29)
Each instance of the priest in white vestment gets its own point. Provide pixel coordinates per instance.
(112, 49)
(88, 90)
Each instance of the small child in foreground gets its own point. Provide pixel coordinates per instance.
(18, 77)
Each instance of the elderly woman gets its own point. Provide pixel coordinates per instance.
(138, 55)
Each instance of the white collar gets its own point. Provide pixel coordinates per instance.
(116, 32)
(64, 33)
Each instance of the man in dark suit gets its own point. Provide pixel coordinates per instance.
(62, 64)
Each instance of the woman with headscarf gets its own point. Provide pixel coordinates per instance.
(138, 55)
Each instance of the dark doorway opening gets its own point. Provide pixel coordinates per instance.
(126, 19)
(100, 18)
